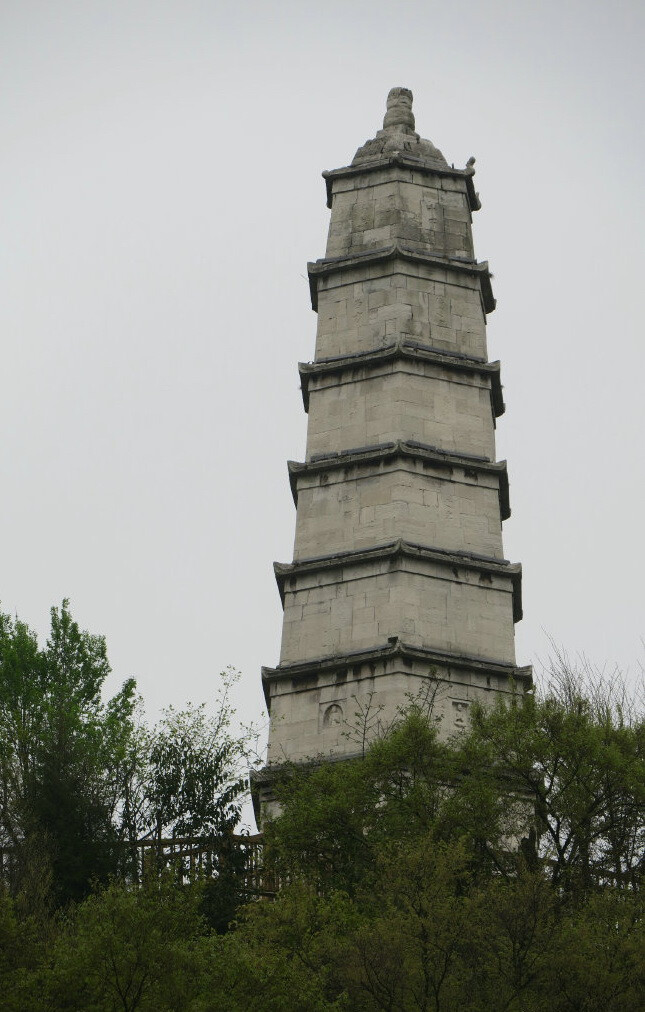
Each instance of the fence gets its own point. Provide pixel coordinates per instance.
(190, 858)
(194, 858)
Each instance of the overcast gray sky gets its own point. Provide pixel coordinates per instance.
(160, 195)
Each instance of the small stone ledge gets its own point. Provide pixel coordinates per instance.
(374, 455)
(324, 267)
(404, 162)
(406, 549)
(410, 351)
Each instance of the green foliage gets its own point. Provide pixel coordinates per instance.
(281, 957)
(60, 751)
(83, 779)
(22, 949)
(187, 776)
(565, 783)
(127, 949)
(499, 870)
(194, 777)
(223, 894)
(583, 775)
(336, 816)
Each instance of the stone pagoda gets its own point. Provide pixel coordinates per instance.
(398, 579)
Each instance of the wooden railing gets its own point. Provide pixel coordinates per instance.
(190, 858)
(194, 858)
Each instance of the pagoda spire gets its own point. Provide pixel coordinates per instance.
(398, 133)
(399, 115)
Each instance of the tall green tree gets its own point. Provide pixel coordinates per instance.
(83, 779)
(575, 770)
(61, 751)
(197, 770)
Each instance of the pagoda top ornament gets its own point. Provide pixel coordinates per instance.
(398, 135)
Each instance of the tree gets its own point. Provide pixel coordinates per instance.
(499, 871)
(128, 949)
(579, 769)
(83, 779)
(61, 748)
(23, 946)
(186, 779)
(198, 769)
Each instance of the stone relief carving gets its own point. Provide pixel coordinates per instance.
(333, 716)
(460, 714)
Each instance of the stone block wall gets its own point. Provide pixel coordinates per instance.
(353, 508)
(358, 605)
(368, 306)
(401, 400)
(425, 211)
(325, 714)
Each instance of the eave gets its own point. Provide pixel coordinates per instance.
(410, 351)
(402, 449)
(405, 162)
(400, 251)
(395, 648)
(405, 549)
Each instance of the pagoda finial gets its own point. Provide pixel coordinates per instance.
(398, 135)
(399, 116)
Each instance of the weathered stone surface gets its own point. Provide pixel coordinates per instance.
(398, 133)
(300, 697)
(394, 207)
(401, 400)
(407, 351)
(431, 598)
(371, 305)
(358, 507)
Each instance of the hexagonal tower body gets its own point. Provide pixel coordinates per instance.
(398, 581)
